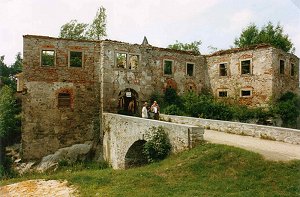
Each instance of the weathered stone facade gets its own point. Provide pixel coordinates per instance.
(259, 82)
(68, 84)
(147, 75)
(46, 126)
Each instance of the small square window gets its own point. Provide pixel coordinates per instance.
(133, 62)
(121, 60)
(168, 67)
(190, 69)
(292, 70)
(47, 58)
(246, 67)
(223, 69)
(246, 93)
(64, 100)
(222, 93)
(75, 59)
(281, 68)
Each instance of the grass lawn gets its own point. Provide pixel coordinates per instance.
(207, 170)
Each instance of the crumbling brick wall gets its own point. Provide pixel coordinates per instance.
(148, 76)
(262, 81)
(46, 126)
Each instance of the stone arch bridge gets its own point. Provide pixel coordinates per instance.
(125, 135)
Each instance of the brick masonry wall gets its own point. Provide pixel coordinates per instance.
(291, 136)
(284, 82)
(265, 81)
(45, 126)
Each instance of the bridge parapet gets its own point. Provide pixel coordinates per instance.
(120, 132)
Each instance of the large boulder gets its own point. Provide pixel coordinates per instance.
(75, 153)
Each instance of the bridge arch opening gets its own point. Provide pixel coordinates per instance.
(135, 156)
(128, 102)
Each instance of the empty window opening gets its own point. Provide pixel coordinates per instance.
(64, 100)
(48, 58)
(246, 93)
(245, 67)
(121, 60)
(75, 59)
(222, 93)
(190, 69)
(168, 67)
(223, 69)
(281, 68)
(292, 69)
(133, 62)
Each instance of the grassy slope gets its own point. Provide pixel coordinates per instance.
(208, 170)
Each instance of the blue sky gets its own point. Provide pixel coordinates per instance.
(215, 22)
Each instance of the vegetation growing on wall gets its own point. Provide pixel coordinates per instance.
(206, 106)
(94, 31)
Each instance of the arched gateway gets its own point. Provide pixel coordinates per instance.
(128, 102)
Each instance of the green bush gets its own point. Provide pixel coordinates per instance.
(171, 97)
(173, 110)
(288, 108)
(156, 96)
(158, 145)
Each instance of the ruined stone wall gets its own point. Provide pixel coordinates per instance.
(148, 75)
(259, 81)
(46, 126)
(286, 81)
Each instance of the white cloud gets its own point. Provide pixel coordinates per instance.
(214, 22)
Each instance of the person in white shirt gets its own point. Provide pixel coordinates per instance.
(155, 110)
(145, 110)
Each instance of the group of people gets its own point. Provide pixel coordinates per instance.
(147, 111)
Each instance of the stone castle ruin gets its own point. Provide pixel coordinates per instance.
(67, 84)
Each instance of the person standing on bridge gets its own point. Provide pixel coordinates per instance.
(155, 110)
(145, 110)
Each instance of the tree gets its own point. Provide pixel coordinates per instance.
(97, 29)
(193, 46)
(268, 34)
(9, 125)
(7, 74)
(78, 31)
(74, 30)
(10, 121)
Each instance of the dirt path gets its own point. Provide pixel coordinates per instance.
(38, 188)
(272, 150)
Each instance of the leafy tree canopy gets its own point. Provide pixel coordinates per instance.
(193, 46)
(94, 31)
(97, 29)
(7, 73)
(268, 34)
(73, 30)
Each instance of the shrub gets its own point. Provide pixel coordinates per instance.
(288, 108)
(158, 145)
(173, 110)
(171, 97)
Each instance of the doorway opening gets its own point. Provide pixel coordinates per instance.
(128, 102)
